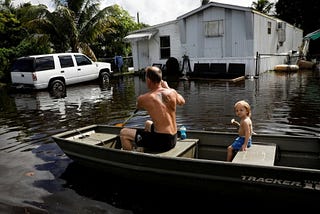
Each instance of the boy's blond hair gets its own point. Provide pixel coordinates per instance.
(244, 104)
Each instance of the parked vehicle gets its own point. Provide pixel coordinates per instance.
(55, 71)
(274, 169)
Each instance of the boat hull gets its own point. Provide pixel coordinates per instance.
(208, 171)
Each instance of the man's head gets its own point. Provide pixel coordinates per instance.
(154, 74)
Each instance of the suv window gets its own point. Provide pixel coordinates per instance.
(66, 61)
(82, 60)
(44, 63)
(23, 65)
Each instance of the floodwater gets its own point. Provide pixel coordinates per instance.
(37, 177)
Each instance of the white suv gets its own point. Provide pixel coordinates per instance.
(55, 71)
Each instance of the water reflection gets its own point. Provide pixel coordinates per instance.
(76, 97)
(286, 104)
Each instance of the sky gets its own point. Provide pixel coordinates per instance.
(151, 12)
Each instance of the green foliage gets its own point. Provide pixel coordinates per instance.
(204, 2)
(28, 46)
(11, 32)
(5, 63)
(264, 6)
(112, 42)
(79, 24)
(74, 25)
(302, 14)
(15, 41)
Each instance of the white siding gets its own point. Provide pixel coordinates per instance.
(265, 43)
(191, 46)
(171, 30)
(240, 45)
(140, 54)
(213, 46)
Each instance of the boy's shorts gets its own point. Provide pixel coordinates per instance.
(239, 141)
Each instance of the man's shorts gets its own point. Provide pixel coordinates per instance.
(155, 141)
(239, 141)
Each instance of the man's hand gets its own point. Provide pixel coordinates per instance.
(164, 84)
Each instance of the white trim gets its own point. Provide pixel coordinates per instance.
(139, 36)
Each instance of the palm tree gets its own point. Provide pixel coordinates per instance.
(204, 2)
(264, 6)
(7, 5)
(84, 22)
(40, 22)
(73, 25)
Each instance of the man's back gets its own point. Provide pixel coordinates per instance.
(161, 106)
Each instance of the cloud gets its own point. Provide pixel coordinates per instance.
(151, 12)
(48, 3)
(155, 12)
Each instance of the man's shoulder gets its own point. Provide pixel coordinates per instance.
(145, 95)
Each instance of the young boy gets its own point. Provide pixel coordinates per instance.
(243, 141)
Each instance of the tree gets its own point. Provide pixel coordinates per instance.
(302, 14)
(15, 39)
(83, 23)
(6, 5)
(58, 25)
(78, 26)
(264, 6)
(204, 2)
(112, 41)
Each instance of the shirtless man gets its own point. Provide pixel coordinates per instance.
(160, 102)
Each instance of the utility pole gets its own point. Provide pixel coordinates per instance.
(138, 20)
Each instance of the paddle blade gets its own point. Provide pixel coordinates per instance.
(119, 125)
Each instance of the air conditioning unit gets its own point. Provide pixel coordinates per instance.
(281, 25)
(281, 29)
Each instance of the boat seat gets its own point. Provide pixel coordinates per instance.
(257, 154)
(93, 138)
(184, 148)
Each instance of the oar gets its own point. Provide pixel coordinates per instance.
(122, 124)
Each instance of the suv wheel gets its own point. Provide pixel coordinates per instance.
(57, 88)
(104, 79)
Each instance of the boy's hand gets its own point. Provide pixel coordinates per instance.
(233, 121)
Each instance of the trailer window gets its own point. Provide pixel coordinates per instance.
(213, 28)
(164, 47)
(269, 27)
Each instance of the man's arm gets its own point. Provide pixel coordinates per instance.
(179, 98)
(141, 102)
